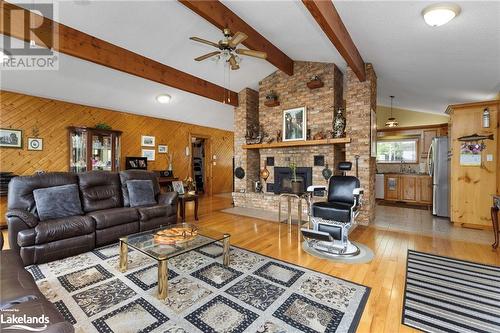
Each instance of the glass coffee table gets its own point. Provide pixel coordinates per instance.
(146, 243)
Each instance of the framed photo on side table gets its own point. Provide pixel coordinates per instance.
(11, 138)
(178, 186)
(294, 124)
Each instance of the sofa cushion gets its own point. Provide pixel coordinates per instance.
(100, 190)
(114, 216)
(340, 212)
(139, 175)
(63, 228)
(58, 201)
(140, 193)
(148, 213)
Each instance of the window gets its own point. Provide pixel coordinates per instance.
(397, 151)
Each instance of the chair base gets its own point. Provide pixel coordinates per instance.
(350, 250)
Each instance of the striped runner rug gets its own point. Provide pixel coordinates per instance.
(448, 295)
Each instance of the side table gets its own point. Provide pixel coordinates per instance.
(289, 197)
(182, 199)
(494, 219)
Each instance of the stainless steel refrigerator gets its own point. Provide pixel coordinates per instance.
(439, 169)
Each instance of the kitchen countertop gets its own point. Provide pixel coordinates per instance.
(403, 173)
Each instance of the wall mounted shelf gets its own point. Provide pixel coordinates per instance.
(285, 144)
(271, 103)
(315, 84)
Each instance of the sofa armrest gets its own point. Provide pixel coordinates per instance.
(29, 219)
(169, 198)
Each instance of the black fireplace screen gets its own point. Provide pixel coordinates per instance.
(283, 178)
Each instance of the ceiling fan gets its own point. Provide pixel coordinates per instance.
(227, 48)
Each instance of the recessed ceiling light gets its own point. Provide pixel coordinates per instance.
(439, 14)
(163, 99)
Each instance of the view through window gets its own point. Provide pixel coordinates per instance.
(397, 151)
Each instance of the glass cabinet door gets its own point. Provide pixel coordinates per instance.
(102, 152)
(78, 154)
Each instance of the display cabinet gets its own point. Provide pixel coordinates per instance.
(93, 149)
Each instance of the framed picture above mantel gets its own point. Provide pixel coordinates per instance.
(294, 124)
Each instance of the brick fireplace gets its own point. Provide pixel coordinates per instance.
(320, 104)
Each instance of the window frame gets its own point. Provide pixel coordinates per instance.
(399, 139)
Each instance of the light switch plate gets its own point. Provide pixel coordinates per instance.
(489, 157)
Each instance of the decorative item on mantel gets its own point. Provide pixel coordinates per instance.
(315, 83)
(319, 136)
(255, 134)
(271, 99)
(103, 126)
(339, 124)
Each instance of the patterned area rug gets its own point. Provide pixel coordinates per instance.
(255, 294)
(449, 295)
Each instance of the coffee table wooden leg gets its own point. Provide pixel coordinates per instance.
(494, 220)
(123, 256)
(162, 279)
(226, 243)
(196, 209)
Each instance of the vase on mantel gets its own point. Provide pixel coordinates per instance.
(339, 124)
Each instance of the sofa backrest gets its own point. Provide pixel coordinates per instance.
(21, 188)
(100, 190)
(137, 175)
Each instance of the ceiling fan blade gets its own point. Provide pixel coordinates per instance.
(206, 56)
(252, 53)
(204, 41)
(233, 63)
(237, 38)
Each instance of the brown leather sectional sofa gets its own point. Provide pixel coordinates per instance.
(19, 296)
(107, 214)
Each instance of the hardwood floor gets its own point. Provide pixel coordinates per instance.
(385, 274)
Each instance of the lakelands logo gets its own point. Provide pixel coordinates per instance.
(12, 321)
(29, 39)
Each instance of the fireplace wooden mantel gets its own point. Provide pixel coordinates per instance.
(285, 144)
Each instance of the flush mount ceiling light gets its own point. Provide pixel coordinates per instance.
(439, 14)
(163, 99)
(391, 122)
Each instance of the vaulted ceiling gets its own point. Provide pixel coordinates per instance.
(425, 68)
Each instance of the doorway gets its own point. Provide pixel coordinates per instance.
(200, 163)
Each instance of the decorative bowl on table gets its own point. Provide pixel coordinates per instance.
(176, 234)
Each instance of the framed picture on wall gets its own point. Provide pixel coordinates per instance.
(11, 138)
(35, 144)
(294, 124)
(147, 141)
(149, 154)
(373, 133)
(162, 149)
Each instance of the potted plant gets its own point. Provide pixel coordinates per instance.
(297, 187)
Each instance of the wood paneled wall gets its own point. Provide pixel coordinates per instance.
(52, 118)
(471, 186)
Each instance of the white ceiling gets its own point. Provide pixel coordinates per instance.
(425, 68)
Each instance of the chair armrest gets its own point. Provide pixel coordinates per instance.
(29, 219)
(357, 191)
(169, 198)
(313, 188)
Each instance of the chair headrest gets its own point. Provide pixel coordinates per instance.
(345, 166)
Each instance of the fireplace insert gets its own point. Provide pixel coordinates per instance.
(283, 179)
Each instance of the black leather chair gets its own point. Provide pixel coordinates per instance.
(331, 220)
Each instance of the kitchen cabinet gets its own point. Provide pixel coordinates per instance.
(391, 187)
(408, 188)
(427, 136)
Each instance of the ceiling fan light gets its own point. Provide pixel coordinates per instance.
(163, 98)
(440, 14)
(391, 122)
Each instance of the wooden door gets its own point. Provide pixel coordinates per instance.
(391, 187)
(425, 190)
(408, 188)
(427, 136)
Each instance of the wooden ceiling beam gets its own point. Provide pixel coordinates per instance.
(329, 20)
(222, 17)
(81, 45)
